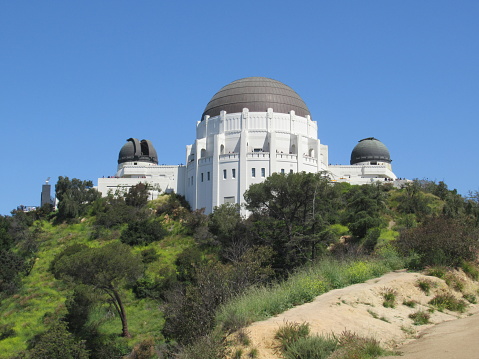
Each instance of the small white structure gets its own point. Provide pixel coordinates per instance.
(251, 128)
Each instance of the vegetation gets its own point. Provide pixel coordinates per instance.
(420, 317)
(176, 282)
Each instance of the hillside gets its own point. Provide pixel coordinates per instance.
(122, 276)
(360, 309)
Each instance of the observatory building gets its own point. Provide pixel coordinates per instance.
(251, 128)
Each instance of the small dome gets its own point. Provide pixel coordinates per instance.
(370, 149)
(257, 94)
(141, 151)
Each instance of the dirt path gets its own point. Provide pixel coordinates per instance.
(359, 308)
(457, 339)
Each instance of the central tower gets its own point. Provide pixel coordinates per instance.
(250, 129)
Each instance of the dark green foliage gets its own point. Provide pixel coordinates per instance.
(58, 343)
(365, 205)
(149, 255)
(441, 241)
(137, 195)
(190, 309)
(426, 285)
(6, 331)
(79, 305)
(143, 232)
(74, 197)
(106, 268)
(291, 214)
(413, 200)
(11, 268)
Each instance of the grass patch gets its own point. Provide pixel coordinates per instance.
(351, 345)
(471, 270)
(437, 271)
(290, 333)
(449, 302)
(410, 303)
(301, 287)
(426, 285)
(471, 298)
(389, 296)
(420, 317)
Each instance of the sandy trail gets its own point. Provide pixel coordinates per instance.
(359, 308)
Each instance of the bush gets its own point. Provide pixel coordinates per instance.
(58, 343)
(389, 296)
(440, 241)
(316, 347)
(352, 346)
(426, 285)
(470, 269)
(449, 302)
(290, 333)
(420, 317)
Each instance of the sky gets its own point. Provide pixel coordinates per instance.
(78, 78)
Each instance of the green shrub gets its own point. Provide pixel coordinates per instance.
(253, 353)
(316, 347)
(409, 303)
(449, 302)
(209, 346)
(470, 269)
(352, 346)
(420, 317)
(426, 285)
(471, 298)
(389, 296)
(437, 271)
(6, 331)
(291, 332)
(440, 241)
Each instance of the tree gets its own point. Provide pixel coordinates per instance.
(107, 268)
(292, 213)
(74, 196)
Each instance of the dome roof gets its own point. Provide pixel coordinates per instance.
(370, 149)
(257, 94)
(141, 151)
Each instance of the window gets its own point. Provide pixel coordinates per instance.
(233, 173)
(229, 199)
(290, 171)
(208, 176)
(253, 172)
(202, 178)
(282, 171)
(224, 174)
(263, 172)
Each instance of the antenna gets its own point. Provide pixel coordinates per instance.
(47, 180)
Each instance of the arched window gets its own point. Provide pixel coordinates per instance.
(293, 149)
(311, 152)
(203, 153)
(222, 149)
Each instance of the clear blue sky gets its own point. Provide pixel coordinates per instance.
(77, 78)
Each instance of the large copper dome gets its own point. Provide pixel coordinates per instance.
(257, 94)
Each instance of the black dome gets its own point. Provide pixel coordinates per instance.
(141, 151)
(370, 149)
(257, 94)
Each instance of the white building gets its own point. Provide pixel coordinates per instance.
(250, 129)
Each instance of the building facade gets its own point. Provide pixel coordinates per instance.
(251, 128)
